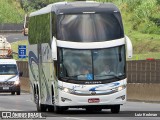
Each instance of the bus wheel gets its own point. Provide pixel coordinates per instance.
(115, 108)
(40, 107)
(58, 109)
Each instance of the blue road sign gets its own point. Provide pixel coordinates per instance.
(21, 51)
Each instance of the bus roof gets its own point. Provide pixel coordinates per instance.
(77, 7)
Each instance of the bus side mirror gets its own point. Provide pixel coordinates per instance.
(129, 47)
(25, 31)
(25, 25)
(54, 48)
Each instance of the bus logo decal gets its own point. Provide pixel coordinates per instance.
(93, 93)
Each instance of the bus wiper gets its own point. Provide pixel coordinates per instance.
(115, 76)
(65, 78)
(77, 75)
(118, 77)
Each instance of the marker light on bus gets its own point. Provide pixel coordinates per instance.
(67, 90)
(119, 88)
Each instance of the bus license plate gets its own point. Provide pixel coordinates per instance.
(93, 100)
(5, 88)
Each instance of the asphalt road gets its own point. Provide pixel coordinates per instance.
(13, 37)
(129, 110)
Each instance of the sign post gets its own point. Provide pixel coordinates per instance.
(21, 51)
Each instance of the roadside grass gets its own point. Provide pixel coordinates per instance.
(11, 12)
(154, 55)
(144, 45)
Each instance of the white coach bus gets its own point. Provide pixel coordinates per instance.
(77, 57)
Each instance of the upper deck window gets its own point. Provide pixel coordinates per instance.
(89, 27)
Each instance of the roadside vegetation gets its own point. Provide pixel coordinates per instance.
(11, 12)
(141, 20)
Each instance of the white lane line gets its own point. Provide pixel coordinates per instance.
(74, 118)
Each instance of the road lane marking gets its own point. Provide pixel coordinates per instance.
(74, 118)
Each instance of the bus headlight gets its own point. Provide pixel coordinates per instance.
(66, 90)
(119, 88)
(17, 82)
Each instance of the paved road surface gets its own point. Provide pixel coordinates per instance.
(13, 37)
(23, 103)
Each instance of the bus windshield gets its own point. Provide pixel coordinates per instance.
(8, 69)
(89, 27)
(97, 64)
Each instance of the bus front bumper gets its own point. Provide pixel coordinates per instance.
(66, 99)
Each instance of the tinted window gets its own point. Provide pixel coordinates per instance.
(89, 27)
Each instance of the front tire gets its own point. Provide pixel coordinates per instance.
(115, 109)
(40, 107)
(58, 109)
